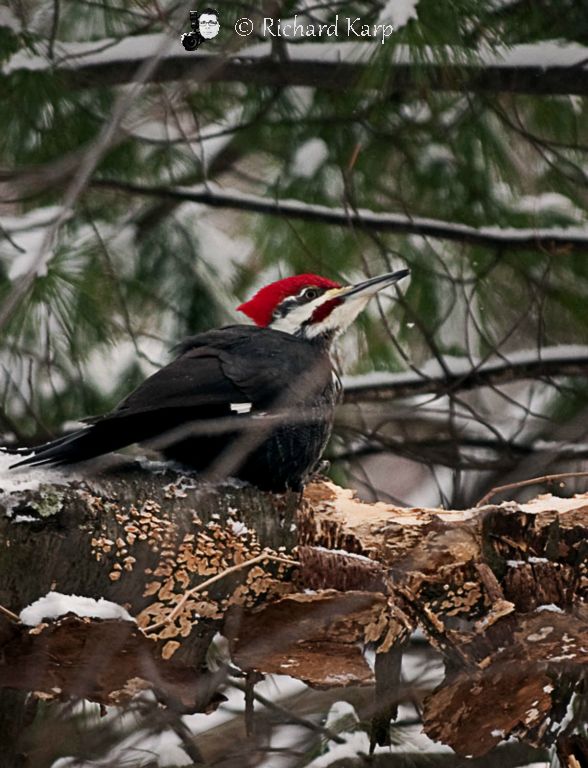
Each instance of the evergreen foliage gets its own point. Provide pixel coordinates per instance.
(125, 276)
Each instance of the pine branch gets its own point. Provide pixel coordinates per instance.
(105, 140)
(550, 239)
(542, 68)
(554, 361)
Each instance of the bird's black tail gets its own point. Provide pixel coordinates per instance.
(85, 443)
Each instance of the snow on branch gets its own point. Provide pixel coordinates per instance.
(546, 67)
(564, 360)
(551, 238)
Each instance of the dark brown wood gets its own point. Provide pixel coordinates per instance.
(14, 717)
(387, 673)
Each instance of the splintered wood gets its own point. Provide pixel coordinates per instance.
(500, 592)
(305, 587)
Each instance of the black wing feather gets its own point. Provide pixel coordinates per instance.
(237, 364)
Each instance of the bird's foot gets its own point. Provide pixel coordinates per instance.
(320, 471)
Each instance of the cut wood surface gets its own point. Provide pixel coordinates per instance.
(300, 586)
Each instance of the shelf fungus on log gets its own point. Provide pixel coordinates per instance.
(299, 586)
(142, 540)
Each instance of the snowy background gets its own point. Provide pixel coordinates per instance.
(146, 191)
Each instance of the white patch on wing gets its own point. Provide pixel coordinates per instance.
(241, 407)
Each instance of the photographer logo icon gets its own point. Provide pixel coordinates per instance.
(205, 26)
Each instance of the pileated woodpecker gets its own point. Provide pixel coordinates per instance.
(253, 402)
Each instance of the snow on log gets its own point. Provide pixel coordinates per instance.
(299, 586)
(139, 539)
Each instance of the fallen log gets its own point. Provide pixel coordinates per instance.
(299, 585)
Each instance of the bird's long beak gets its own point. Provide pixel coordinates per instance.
(370, 287)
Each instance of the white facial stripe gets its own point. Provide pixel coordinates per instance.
(340, 318)
(296, 317)
(292, 321)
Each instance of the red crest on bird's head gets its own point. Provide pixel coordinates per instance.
(260, 308)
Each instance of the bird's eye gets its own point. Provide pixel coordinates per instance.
(311, 293)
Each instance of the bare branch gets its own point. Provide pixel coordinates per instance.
(530, 481)
(547, 239)
(461, 453)
(554, 361)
